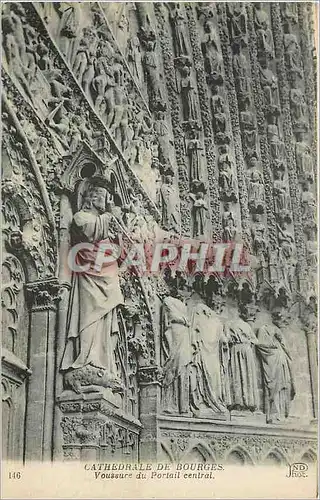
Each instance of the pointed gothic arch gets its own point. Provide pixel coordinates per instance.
(309, 457)
(198, 450)
(275, 457)
(238, 455)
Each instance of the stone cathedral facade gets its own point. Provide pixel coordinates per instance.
(197, 119)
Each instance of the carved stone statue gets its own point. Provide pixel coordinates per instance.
(237, 21)
(187, 90)
(179, 31)
(93, 328)
(304, 161)
(243, 370)
(170, 205)
(198, 210)
(256, 192)
(212, 57)
(15, 48)
(299, 111)
(309, 212)
(265, 44)
(227, 179)
(152, 75)
(162, 132)
(240, 69)
(176, 344)
(228, 223)
(286, 240)
(99, 84)
(276, 370)
(269, 83)
(290, 13)
(281, 197)
(135, 57)
(83, 65)
(261, 19)
(218, 111)
(258, 231)
(293, 58)
(205, 11)
(207, 335)
(194, 149)
(246, 115)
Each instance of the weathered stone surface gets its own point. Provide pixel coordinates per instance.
(145, 120)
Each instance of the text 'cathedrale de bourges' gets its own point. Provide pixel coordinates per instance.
(155, 471)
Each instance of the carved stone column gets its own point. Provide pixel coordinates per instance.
(150, 387)
(62, 313)
(42, 297)
(309, 317)
(313, 366)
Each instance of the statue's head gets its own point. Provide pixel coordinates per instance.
(248, 311)
(94, 199)
(217, 302)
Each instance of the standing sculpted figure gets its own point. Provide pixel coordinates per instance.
(179, 31)
(276, 370)
(213, 59)
(135, 57)
(187, 90)
(256, 192)
(194, 152)
(92, 327)
(170, 205)
(198, 211)
(177, 347)
(243, 370)
(207, 335)
(163, 134)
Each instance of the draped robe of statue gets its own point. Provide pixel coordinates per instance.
(242, 368)
(207, 335)
(177, 344)
(92, 325)
(277, 372)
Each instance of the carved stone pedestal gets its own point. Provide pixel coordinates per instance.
(95, 428)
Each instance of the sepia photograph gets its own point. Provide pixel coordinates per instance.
(159, 249)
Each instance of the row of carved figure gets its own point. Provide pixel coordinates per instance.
(211, 367)
(301, 128)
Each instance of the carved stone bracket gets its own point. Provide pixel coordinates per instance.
(43, 295)
(150, 375)
(91, 422)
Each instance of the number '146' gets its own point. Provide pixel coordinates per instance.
(14, 475)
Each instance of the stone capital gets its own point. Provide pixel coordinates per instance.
(43, 295)
(150, 375)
